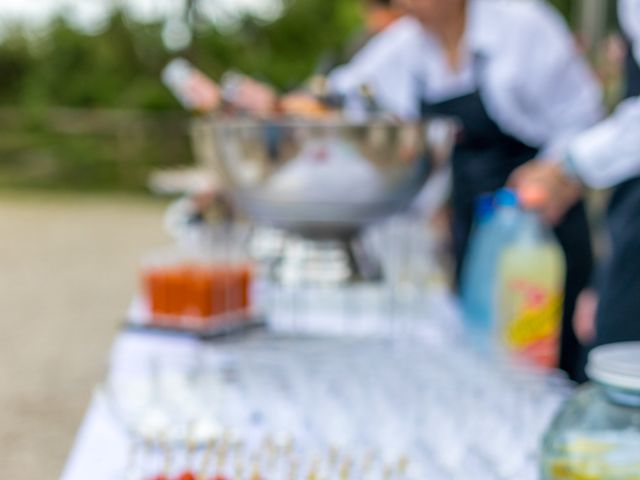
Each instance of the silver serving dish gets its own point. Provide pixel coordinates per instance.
(327, 179)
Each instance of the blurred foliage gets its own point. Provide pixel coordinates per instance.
(284, 52)
(118, 68)
(120, 65)
(88, 149)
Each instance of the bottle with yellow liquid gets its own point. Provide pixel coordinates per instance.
(596, 434)
(530, 288)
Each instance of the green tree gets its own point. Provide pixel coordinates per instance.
(120, 66)
(16, 65)
(117, 67)
(283, 52)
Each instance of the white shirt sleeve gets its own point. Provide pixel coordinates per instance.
(384, 65)
(536, 84)
(609, 153)
(552, 94)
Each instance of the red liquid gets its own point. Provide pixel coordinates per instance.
(197, 293)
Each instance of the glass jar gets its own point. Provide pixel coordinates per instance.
(596, 436)
(204, 284)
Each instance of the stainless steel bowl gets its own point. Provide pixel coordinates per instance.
(327, 179)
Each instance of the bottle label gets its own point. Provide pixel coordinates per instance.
(532, 330)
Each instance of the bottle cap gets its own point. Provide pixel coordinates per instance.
(175, 76)
(193, 89)
(616, 365)
(485, 205)
(506, 198)
(533, 197)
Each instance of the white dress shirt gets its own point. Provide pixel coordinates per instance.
(610, 152)
(534, 83)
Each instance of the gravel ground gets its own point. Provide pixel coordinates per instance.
(67, 271)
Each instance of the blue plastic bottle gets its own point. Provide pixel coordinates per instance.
(496, 222)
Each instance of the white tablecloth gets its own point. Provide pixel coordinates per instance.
(102, 447)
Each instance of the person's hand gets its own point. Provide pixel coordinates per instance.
(584, 318)
(562, 192)
(247, 94)
(203, 93)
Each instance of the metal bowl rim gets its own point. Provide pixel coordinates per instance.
(237, 124)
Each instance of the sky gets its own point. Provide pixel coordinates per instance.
(90, 13)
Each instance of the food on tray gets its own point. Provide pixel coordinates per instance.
(187, 476)
(302, 104)
(279, 463)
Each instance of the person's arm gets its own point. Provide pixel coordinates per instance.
(559, 91)
(609, 153)
(383, 66)
(600, 157)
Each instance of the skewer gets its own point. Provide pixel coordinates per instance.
(131, 461)
(288, 446)
(334, 455)
(403, 465)
(188, 473)
(367, 463)
(206, 460)
(165, 450)
(164, 446)
(239, 469)
(345, 469)
(314, 471)
(294, 469)
(255, 471)
(221, 457)
(271, 449)
(388, 473)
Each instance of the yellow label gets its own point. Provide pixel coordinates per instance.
(535, 323)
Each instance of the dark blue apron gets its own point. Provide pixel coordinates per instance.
(618, 317)
(483, 160)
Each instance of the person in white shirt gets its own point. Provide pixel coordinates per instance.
(607, 155)
(511, 73)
